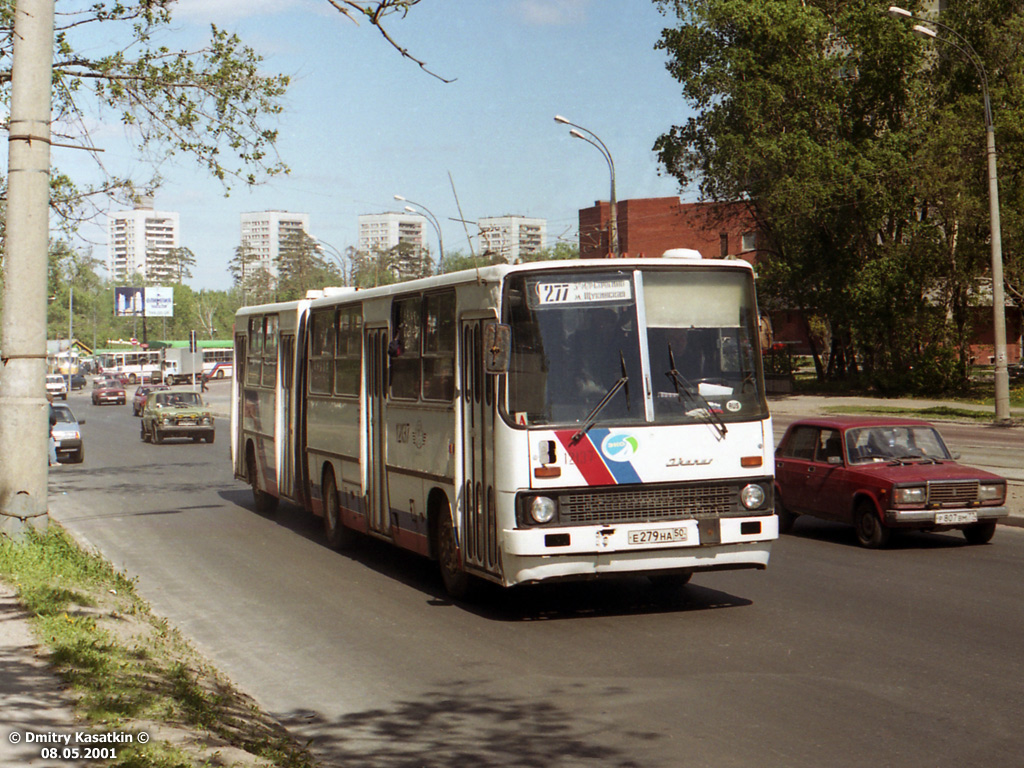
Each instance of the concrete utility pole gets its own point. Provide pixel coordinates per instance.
(24, 412)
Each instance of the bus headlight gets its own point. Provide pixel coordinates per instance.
(752, 496)
(542, 509)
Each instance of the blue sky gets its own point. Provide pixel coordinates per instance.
(363, 124)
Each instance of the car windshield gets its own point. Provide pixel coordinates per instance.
(682, 344)
(64, 415)
(178, 399)
(888, 443)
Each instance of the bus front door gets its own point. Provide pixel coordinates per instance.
(478, 532)
(377, 514)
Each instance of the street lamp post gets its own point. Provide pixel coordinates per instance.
(433, 221)
(1002, 379)
(336, 254)
(593, 139)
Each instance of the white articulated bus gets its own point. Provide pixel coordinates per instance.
(136, 365)
(520, 423)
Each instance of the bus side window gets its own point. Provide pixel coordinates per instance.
(439, 347)
(349, 353)
(404, 350)
(270, 352)
(321, 353)
(252, 374)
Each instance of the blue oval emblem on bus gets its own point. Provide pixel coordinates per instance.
(620, 447)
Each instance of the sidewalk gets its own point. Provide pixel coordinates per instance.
(34, 699)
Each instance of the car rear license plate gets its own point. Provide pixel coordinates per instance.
(948, 518)
(658, 536)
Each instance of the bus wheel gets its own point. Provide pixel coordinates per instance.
(265, 503)
(338, 536)
(220, 373)
(456, 580)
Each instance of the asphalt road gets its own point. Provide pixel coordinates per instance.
(834, 656)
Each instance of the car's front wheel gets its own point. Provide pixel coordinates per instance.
(871, 533)
(786, 518)
(980, 533)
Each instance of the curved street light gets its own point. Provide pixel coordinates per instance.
(433, 221)
(577, 132)
(1002, 379)
(336, 253)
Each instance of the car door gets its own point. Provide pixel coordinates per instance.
(824, 474)
(792, 464)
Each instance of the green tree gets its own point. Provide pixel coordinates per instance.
(558, 252)
(181, 260)
(841, 131)
(301, 266)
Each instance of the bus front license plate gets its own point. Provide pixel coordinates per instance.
(658, 536)
(956, 517)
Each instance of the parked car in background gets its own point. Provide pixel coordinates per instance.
(107, 390)
(78, 381)
(139, 398)
(173, 413)
(67, 434)
(56, 386)
(883, 475)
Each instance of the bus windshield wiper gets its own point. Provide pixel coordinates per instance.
(592, 416)
(694, 394)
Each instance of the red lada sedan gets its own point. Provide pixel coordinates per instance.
(882, 475)
(108, 390)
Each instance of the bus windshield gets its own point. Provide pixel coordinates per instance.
(669, 346)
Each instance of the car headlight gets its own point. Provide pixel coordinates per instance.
(752, 496)
(542, 509)
(992, 492)
(917, 494)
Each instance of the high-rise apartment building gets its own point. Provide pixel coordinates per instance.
(139, 241)
(265, 232)
(383, 231)
(512, 237)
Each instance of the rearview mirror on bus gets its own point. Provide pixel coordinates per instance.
(497, 347)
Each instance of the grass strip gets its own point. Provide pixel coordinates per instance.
(935, 413)
(129, 670)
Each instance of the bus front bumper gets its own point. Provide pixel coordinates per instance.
(538, 554)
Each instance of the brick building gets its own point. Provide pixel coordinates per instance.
(650, 226)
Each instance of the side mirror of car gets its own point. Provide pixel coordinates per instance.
(81, 421)
(955, 455)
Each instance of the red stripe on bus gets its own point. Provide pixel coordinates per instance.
(586, 458)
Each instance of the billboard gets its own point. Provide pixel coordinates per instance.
(130, 301)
